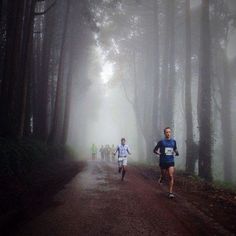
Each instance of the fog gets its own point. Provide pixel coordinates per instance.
(137, 59)
(91, 72)
(106, 115)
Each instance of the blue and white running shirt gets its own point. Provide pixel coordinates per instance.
(123, 150)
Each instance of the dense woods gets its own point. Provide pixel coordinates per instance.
(172, 61)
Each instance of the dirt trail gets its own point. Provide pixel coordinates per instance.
(96, 202)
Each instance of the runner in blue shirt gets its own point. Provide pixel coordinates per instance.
(166, 149)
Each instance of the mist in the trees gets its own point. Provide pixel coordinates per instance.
(82, 72)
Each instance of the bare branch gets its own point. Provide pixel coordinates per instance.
(126, 94)
(47, 10)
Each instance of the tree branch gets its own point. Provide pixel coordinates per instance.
(126, 94)
(47, 10)
(216, 104)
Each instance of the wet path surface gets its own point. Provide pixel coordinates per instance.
(96, 202)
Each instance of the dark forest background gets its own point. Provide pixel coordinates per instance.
(172, 57)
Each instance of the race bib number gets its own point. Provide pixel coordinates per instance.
(168, 151)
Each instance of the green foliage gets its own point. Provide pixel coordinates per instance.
(28, 167)
(224, 185)
(18, 157)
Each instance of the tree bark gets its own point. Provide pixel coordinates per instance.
(168, 75)
(156, 91)
(57, 123)
(226, 121)
(190, 155)
(19, 23)
(205, 97)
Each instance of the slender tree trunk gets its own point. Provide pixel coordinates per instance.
(190, 160)
(156, 82)
(205, 97)
(27, 57)
(55, 134)
(1, 2)
(68, 100)
(226, 121)
(41, 122)
(168, 75)
(36, 78)
(13, 83)
(165, 69)
(171, 80)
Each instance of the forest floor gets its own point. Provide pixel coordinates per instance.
(97, 202)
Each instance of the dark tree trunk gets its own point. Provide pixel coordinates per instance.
(168, 75)
(205, 97)
(68, 101)
(55, 136)
(14, 83)
(226, 121)
(41, 121)
(156, 82)
(27, 58)
(171, 81)
(190, 155)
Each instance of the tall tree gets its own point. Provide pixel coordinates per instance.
(222, 20)
(168, 67)
(156, 90)
(205, 96)
(190, 160)
(14, 82)
(57, 123)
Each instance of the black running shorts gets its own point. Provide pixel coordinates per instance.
(166, 165)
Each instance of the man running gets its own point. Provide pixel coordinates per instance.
(94, 151)
(113, 149)
(123, 151)
(102, 152)
(167, 148)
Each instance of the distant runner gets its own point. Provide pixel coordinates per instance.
(102, 152)
(113, 149)
(167, 148)
(107, 152)
(123, 151)
(94, 152)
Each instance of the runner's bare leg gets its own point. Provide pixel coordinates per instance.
(171, 171)
(123, 172)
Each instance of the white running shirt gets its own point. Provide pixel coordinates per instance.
(123, 150)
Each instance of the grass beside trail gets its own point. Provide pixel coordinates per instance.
(30, 172)
(186, 180)
(216, 199)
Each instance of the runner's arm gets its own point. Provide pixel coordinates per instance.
(128, 150)
(176, 150)
(156, 150)
(116, 150)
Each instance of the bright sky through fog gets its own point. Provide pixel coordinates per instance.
(107, 72)
(107, 67)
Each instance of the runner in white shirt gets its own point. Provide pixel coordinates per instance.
(123, 151)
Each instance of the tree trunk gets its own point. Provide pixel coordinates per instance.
(57, 123)
(171, 81)
(68, 100)
(168, 75)
(226, 121)
(41, 121)
(205, 97)
(27, 57)
(19, 23)
(190, 160)
(156, 82)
